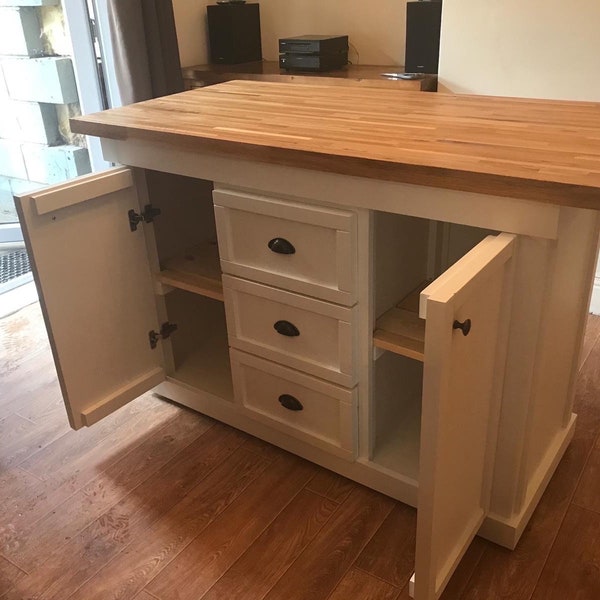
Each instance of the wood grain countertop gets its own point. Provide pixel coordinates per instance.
(541, 150)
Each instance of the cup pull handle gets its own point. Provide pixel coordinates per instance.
(281, 246)
(290, 402)
(286, 328)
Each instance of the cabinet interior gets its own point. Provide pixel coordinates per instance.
(409, 254)
(200, 351)
(188, 261)
(185, 233)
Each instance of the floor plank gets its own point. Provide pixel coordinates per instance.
(358, 584)
(312, 549)
(587, 494)
(195, 570)
(265, 560)
(318, 570)
(461, 577)
(9, 575)
(207, 462)
(112, 433)
(38, 394)
(28, 500)
(79, 510)
(390, 555)
(331, 485)
(22, 336)
(150, 550)
(143, 595)
(513, 575)
(23, 438)
(573, 568)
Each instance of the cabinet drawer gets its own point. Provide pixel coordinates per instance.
(320, 413)
(304, 333)
(314, 253)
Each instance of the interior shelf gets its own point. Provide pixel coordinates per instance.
(400, 330)
(197, 270)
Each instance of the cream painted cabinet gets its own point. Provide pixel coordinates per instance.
(356, 338)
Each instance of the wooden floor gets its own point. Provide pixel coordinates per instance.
(158, 502)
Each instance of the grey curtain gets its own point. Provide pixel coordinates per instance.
(145, 49)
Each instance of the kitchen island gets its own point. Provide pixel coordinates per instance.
(391, 284)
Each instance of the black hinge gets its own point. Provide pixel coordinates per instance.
(147, 216)
(166, 329)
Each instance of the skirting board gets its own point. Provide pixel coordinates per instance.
(507, 532)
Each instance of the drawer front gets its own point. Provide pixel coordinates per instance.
(314, 253)
(296, 404)
(303, 333)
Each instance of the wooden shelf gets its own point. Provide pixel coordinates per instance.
(400, 330)
(197, 271)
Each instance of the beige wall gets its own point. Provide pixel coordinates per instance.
(376, 27)
(530, 48)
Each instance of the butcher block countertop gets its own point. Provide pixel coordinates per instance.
(540, 150)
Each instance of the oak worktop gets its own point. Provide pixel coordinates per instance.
(542, 150)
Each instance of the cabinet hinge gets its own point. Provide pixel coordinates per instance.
(147, 216)
(166, 329)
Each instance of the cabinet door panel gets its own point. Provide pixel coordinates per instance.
(95, 287)
(460, 401)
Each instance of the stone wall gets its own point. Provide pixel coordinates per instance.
(37, 91)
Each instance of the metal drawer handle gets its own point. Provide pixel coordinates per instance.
(290, 402)
(281, 246)
(465, 326)
(286, 328)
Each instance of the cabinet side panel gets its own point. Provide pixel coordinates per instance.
(566, 307)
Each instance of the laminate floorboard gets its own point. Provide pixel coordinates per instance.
(150, 551)
(217, 547)
(390, 555)
(324, 562)
(128, 508)
(572, 568)
(143, 595)
(266, 559)
(9, 575)
(358, 584)
(331, 485)
(87, 504)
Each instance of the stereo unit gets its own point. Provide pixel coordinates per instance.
(312, 62)
(423, 24)
(314, 44)
(234, 33)
(313, 53)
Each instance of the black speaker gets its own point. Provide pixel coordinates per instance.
(423, 23)
(234, 33)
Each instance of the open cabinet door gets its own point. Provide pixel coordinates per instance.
(93, 278)
(465, 351)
